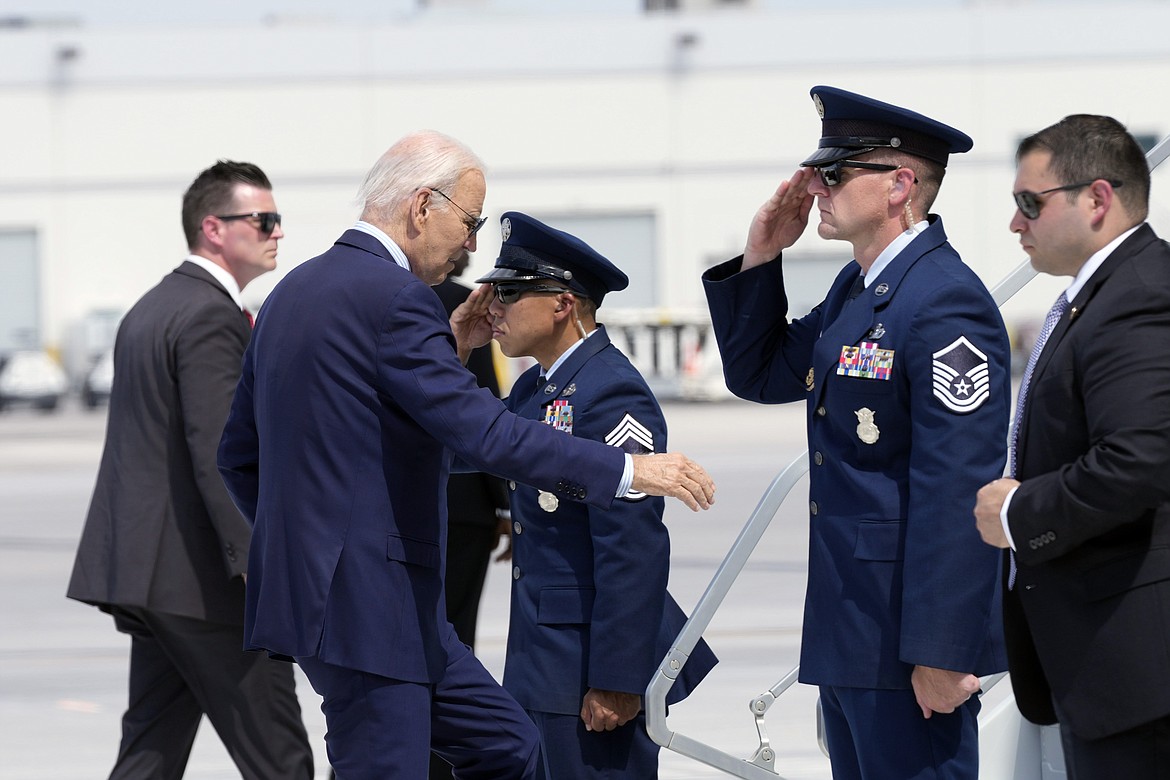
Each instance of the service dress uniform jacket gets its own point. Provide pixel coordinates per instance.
(589, 606)
(1088, 621)
(354, 397)
(908, 389)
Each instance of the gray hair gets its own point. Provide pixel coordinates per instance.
(425, 158)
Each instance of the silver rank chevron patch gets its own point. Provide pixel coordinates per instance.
(961, 376)
(631, 436)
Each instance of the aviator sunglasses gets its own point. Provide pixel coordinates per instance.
(507, 293)
(1029, 202)
(831, 174)
(268, 219)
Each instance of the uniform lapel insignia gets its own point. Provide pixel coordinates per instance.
(882, 289)
(572, 388)
(876, 332)
(550, 389)
(961, 376)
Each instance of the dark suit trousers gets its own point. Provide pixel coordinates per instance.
(380, 728)
(181, 669)
(882, 734)
(1141, 753)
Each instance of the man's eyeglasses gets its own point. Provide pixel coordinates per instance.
(473, 224)
(268, 220)
(831, 174)
(1029, 202)
(510, 292)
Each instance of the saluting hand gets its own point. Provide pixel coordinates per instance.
(471, 323)
(780, 221)
(674, 474)
(606, 710)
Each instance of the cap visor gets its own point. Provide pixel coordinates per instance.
(508, 274)
(830, 154)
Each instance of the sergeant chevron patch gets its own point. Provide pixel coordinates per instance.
(631, 436)
(961, 377)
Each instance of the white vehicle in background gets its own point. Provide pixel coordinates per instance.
(95, 389)
(31, 377)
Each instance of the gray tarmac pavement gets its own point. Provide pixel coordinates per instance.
(63, 666)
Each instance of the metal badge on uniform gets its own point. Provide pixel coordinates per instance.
(867, 431)
(559, 415)
(882, 289)
(962, 380)
(810, 380)
(505, 228)
(876, 332)
(572, 388)
(550, 389)
(547, 501)
(866, 360)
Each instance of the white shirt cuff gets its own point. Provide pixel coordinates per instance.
(1003, 516)
(627, 477)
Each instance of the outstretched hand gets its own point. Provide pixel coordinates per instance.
(674, 474)
(470, 321)
(780, 221)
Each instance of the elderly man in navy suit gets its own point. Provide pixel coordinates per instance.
(904, 368)
(1086, 509)
(590, 617)
(338, 445)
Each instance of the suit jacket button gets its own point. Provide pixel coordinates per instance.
(511, 485)
(818, 458)
(517, 528)
(813, 508)
(821, 411)
(515, 572)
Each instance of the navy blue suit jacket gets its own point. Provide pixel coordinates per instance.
(589, 602)
(337, 448)
(898, 575)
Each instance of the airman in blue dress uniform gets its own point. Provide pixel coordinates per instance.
(904, 368)
(590, 617)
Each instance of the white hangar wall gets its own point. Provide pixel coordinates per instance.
(683, 123)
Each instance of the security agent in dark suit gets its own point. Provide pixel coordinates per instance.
(1087, 510)
(163, 549)
(351, 403)
(904, 368)
(590, 614)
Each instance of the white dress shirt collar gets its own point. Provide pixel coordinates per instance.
(225, 279)
(1094, 262)
(393, 248)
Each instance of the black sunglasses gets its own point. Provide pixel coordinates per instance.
(510, 292)
(1029, 202)
(831, 174)
(473, 224)
(268, 219)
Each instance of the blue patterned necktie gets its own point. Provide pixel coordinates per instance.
(1054, 315)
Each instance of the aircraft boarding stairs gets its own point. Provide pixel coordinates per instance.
(1010, 748)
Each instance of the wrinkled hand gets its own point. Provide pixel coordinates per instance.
(780, 221)
(606, 710)
(674, 474)
(988, 505)
(941, 690)
(471, 323)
